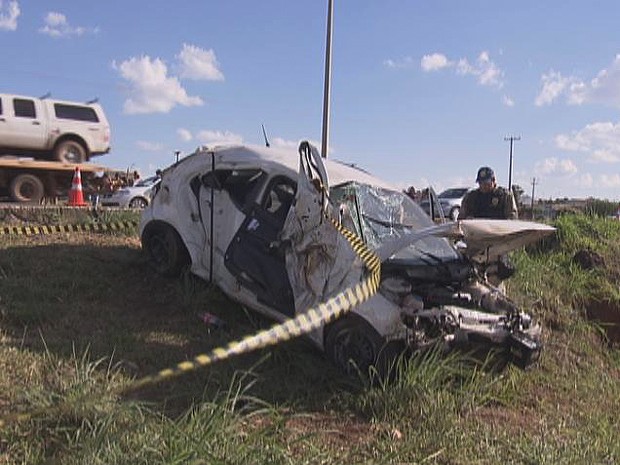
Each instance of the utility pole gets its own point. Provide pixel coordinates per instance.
(176, 154)
(511, 139)
(328, 74)
(532, 202)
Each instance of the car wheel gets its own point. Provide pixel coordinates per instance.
(138, 202)
(26, 188)
(70, 151)
(353, 345)
(454, 213)
(166, 251)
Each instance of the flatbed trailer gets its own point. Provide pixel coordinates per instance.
(30, 181)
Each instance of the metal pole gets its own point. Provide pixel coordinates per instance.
(532, 202)
(511, 139)
(328, 73)
(510, 168)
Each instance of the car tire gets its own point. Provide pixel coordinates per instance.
(138, 202)
(353, 345)
(166, 251)
(27, 188)
(70, 151)
(454, 213)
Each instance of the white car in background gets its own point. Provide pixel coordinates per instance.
(251, 220)
(449, 201)
(137, 196)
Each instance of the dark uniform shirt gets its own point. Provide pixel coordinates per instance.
(497, 204)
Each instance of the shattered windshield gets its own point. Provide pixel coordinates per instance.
(379, 215)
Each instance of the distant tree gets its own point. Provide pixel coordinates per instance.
(597, 207)
(517, 191)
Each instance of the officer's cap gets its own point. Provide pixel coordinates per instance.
(485, 174)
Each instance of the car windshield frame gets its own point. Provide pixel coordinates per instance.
(380, 215)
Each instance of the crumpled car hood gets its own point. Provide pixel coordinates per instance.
(482, 240)
(486, 240)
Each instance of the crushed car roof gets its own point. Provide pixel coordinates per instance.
(256, 155)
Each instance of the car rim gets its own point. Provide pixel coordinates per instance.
(71, 155)
(353, 351)
(160, 250)
(137, 203)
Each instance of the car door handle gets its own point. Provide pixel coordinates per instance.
(3, 120)
(36, 123)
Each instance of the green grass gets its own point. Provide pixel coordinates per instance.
(82, 315)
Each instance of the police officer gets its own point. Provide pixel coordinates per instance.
(489, 200)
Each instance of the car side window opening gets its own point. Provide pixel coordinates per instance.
(24, 108)
(0, 106)
(279, 197)
(240, 184)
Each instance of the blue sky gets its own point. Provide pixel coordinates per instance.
(423, 92)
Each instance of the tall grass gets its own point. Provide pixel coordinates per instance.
(287, 404)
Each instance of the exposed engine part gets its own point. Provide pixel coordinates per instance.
(427, 326)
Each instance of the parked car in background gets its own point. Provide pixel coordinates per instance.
(65, 131)
(137, 196)
(449, 201)
(251, 220)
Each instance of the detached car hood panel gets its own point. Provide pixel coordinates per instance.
(488, 239)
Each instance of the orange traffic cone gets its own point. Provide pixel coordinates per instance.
(76, 196)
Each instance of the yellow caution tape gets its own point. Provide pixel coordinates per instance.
(303, 323)
(66, 228)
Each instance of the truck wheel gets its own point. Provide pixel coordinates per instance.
(70, 151)
(27, 188)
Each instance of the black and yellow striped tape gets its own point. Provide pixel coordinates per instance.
(303, 323)
(66, 228)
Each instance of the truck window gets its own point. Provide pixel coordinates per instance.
(74, 112)
(24, 108)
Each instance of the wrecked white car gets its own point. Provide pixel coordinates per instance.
(252, 220)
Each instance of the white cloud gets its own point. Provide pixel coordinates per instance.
(406, 62)
(553, 85)
(484, 69)
(184, 134)
(585, 180)
(610, 180)
(149, 146)
(554, 165)
(209, 137)
(198, 64)
(279, 142)
(151, 89)
(9, 13)
(508, 101)
(56, 25)
(434, 62)
(603, 89)
(601, 140)
(291, 144)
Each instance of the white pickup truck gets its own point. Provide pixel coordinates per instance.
(64, 131)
